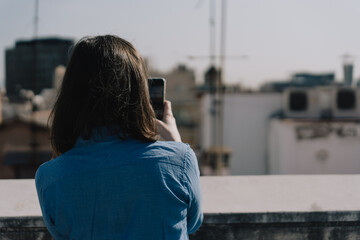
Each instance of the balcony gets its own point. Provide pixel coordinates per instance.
(235, 207)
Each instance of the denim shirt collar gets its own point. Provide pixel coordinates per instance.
(99, 134)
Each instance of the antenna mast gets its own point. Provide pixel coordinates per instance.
(36, 19)
(212, 32)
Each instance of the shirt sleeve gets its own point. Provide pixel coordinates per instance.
(192, 183)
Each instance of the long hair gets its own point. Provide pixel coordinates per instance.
(105, 84)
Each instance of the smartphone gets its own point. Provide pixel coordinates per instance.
(157, 88)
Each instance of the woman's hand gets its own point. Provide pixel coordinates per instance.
(167, 128)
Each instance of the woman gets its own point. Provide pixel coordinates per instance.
(111, 178)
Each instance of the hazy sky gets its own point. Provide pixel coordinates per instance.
(279, 36)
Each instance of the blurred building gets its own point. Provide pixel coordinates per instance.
(302, 79)
(209, 86)
(348, 68)
(24, 141)
(300, 131)
(181, 91)
(314, 146)
(245, 128)
(211, 76)
(318, 133)
(311, 79)
(348, 73)
(30, 64)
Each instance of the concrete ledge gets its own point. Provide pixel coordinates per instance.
(325, 218)
(312, 226)
(20, 228)
(281, 193)
(235, 207)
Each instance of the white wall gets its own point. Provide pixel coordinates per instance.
(314, 147)
(246, 119)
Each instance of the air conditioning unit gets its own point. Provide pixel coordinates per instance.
(301, 103)
(346, 102)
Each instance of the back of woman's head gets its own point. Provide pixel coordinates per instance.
(105, 85)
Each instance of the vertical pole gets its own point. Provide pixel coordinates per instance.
(34, 141)
(221, 83)
(212, 32)
(213, 97)
(35, 48)
(223, 36)
(36, 19)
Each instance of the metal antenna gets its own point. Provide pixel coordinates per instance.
(36, 19)
(34, 144)
(220, 84)
(212, 32)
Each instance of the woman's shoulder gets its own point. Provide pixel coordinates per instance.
(178, 150)
(171, 147)
(180, 146)
(45, 174)
(49, 172)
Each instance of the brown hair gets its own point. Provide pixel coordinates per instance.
(105, 84)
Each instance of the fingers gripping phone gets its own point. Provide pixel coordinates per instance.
(157, 88)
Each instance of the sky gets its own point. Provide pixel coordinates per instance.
(279, 37)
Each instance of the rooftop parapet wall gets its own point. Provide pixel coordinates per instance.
(235, 207)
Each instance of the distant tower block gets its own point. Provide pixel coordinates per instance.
(348, 67)
(31, 63)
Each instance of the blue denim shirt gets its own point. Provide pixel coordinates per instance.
(106, 188)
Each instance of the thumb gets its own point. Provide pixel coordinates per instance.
(168, 114)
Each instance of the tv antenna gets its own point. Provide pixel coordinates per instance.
(36, 19)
